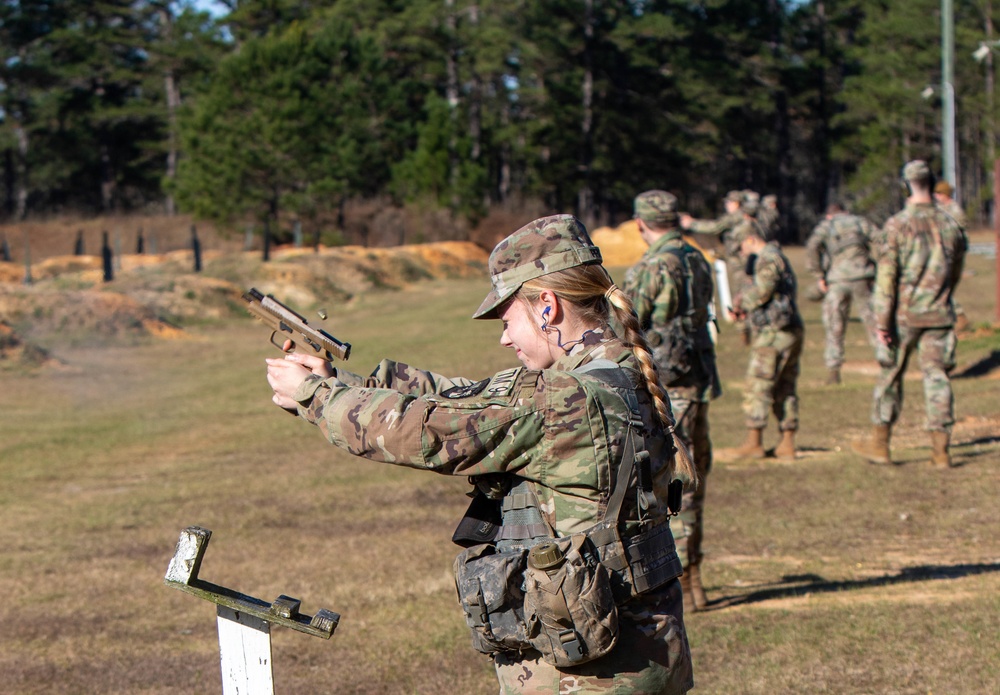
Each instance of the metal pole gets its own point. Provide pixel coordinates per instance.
(996, 229)
(948, 93)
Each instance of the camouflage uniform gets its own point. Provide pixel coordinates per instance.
(768, 217)
(722, 227)
(957, 213)
(917, 276)
(558, 429)
(671, 288)
(848, 269)
(951, 207)
(776, 346)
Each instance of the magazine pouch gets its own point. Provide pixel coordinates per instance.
(490, 589)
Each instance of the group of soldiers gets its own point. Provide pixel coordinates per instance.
(902, 277)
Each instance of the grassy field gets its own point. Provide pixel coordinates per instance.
(828, 575)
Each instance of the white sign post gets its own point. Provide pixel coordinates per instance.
(244, 621)
(722, 288)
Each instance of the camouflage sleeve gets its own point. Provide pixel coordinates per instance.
(814, 250)
(390, 374)
(876, 239)
(766, 274)
(886, 288)
(958, 263)
(714, 227)
(488, 428)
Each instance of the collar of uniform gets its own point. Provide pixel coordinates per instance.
(596, 345)
(656, 246)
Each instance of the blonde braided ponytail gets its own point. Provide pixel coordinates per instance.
(634, 339)
(600, 302)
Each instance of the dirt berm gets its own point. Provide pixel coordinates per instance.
(157, 295)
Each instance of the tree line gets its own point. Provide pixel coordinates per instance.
(272, 111)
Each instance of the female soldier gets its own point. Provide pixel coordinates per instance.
(576, 443)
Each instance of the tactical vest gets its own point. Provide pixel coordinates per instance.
(637, 563)
(845, 233)
(675, 344)
(780, 312)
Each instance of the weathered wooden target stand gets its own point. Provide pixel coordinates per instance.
(244, 621)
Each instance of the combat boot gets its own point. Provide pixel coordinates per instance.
(786, 448)
(876, 447)
(697, 592)
(940, 458)
(833, 376)
(685, 580)
(753, 446)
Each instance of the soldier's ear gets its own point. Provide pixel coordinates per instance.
(551, 310)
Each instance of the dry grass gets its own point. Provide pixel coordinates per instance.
(830, 575)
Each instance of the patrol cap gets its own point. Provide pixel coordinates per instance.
(751, 202)
(547, 245)
(944, 188)
(917, 170)
(734, 197)
(769, 199)
(742, 231)
(658, 208)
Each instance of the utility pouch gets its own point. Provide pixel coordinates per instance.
(490, 589)
(569, 607)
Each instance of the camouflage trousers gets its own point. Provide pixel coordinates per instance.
(837, 309)
(935, 348)
(772, 377)
(692, 429)
(651, 656)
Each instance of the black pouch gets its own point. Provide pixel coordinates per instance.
(492, 596)
(481, 523)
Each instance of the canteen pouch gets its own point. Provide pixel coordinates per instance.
(569, 607)
(490, 590)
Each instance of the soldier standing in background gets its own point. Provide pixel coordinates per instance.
(845, 274)
(741, 210)
(769, 307)
(671, 289)
(942, 196)
(769, 216)
(917, 275)
(721, 227)
(739, 279)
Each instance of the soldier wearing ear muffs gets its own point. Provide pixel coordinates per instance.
(913, 302)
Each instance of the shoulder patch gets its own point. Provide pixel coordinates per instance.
(502, 383)
(465, 391)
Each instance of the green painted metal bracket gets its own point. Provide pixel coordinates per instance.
(182, 573)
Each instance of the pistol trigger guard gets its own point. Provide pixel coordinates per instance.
(279, 345)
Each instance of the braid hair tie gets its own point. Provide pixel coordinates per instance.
(611, 291)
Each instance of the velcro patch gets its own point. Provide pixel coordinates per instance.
(465, 391)
(502, 383)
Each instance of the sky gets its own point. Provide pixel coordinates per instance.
(212, 6)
